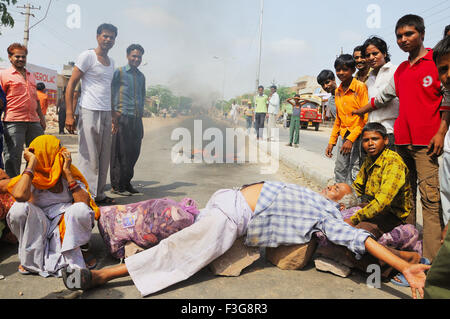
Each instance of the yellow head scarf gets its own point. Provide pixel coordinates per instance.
(49, 164)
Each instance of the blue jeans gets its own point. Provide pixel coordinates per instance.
(17, 134)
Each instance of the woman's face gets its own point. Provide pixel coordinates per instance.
(374, 57)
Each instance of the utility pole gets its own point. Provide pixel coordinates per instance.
(260, 44)
(28, 8)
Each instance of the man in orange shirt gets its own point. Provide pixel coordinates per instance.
(23, 120)
(42, 97)
(350, 95)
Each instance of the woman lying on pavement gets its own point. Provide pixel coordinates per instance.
(271, 213)
(53, 215)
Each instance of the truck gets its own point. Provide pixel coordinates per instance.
(311, 113)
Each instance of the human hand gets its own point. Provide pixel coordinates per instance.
(349, 221)
(28, 155)
(436, 145)
(329, 151)
(70, 123)
(346, 147)
(416, 277)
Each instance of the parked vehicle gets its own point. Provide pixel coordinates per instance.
(311, 114)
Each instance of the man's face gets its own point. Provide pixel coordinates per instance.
(329, 86)
(344, 73)
(106, 39)
(443, 66)
(408, 38)
(360, 61)
(375, 59)
(260, 91)
(18, 59)
(373, 143)
(272, 90)
(135, 58)
(337, 191)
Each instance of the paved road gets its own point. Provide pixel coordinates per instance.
(157, 176)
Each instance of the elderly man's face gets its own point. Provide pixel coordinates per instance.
(337, 191)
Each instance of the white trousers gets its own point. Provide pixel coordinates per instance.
(94, 140)
(40, 248)
(444, 177)
(184, 253)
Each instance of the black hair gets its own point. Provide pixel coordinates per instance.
(375, 127)
(411, 20)
(358, 48)
(297, 95)
(447, 28)
(133, 47)
(441, 49)
(345, 60)
(324, 76)
(260, 87)
(273, 87)
(40, 86)
(380, 44)
(107, 27)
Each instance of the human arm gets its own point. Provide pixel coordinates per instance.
(116, 106)
(334, 136)
(382, 99)
(77, 74)
(414, 273)
(78, 193)
(22, 190)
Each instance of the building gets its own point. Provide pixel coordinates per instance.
(307, 85)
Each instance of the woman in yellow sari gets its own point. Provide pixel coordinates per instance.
(54, 213)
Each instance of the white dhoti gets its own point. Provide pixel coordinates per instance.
(40, 248)
(184, 253)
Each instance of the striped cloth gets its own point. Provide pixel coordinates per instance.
(287, 214)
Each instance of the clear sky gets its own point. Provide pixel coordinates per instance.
(183, 37)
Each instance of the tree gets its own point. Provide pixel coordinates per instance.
(6, 18)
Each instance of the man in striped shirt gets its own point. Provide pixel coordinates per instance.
(128, 98)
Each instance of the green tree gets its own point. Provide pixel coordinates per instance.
(6, 18)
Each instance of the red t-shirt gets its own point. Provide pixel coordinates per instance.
(419, 91)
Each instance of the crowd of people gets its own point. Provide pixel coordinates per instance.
(382, 158)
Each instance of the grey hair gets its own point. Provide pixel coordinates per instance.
(349, 200)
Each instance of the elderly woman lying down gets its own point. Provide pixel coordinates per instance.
(271, 213)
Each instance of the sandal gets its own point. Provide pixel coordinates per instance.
(22, 270)
(84, 282)
(106, 201)
(88, 256)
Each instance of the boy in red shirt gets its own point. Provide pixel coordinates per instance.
(419, 130)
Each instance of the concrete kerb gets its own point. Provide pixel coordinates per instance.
(314, 167)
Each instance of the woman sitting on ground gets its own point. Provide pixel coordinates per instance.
(53, 215)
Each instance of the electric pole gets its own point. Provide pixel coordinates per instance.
(260, 44)
(28, 8)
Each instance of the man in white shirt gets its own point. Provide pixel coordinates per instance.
(272, 111)
(96, 71)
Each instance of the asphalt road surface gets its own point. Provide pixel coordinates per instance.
(157, 176)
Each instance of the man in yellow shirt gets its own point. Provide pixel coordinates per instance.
(350, 95)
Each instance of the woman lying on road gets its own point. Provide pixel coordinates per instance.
(53, 215)
(271, 213)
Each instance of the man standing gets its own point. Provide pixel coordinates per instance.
(96, 70)
(361, 64)
(128, 97)
(327, 81)
(23, 119)
(272, 110)
(260, 111)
